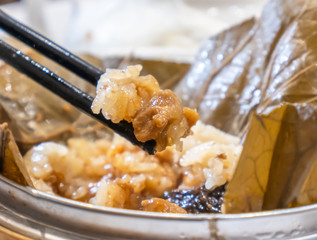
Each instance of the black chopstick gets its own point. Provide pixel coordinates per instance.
(67, 91)
(50, 49)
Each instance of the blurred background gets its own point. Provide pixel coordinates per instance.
(157, 29)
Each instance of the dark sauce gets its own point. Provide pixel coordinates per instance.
(198, 200)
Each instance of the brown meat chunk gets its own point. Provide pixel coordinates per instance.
(163, 119)
(162, 206)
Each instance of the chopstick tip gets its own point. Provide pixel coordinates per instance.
(149, 146)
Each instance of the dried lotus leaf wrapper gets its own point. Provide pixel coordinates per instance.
(13, 166)
(289, 77)
(213, 55)
(278, 46)
(33, 113)
(308, 192)
(295, 154)
(245, 192)
(212, 60)
(277, 162)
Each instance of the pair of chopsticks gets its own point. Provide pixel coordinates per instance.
(52, 81)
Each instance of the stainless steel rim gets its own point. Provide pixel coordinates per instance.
(76, 204)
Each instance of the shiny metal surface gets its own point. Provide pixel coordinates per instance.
(41, 216)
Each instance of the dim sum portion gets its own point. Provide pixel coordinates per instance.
(118, 174)
(155, 114)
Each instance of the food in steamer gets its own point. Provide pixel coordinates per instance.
(255, 80)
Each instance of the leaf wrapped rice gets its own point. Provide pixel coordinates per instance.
(155, 114)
